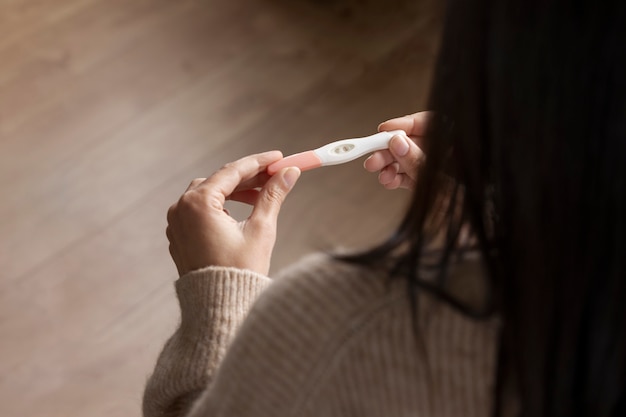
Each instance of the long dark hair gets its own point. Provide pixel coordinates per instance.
(526, 149)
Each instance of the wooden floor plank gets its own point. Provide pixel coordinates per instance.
(86, 295)
(292, 70)
(79, 301)
(215, 91)
(20, 18)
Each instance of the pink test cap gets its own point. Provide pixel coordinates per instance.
(304, 160)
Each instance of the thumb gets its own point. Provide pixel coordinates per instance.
(272, 196)
(406, 153)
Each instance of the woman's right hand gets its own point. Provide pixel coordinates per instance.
(202, 233)
(397, 166)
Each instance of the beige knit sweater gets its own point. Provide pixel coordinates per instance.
(324, 339)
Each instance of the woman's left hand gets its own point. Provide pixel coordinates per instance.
(398, 165)
(202, 233)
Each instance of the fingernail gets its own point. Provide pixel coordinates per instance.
(399, 145)
(290, 176)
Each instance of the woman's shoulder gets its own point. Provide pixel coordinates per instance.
(330, 280)
(322, 298)
(320, 273)
(323, 284)
(332, 334)
(322, 292)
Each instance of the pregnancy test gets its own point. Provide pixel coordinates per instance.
(335, 153)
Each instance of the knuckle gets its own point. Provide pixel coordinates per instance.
(199, 200)
(195, 182)
(230, 166)
(214, 202)
(273, 195)
(231, 169)
(171, 212)
(187, 199)
(188, 202)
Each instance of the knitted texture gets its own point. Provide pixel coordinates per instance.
(325, 339)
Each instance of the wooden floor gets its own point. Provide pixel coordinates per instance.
(108, 108)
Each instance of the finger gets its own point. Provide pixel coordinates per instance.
(245, 196)
(406, 153)
(378, 161)
(388, 174)
(171, 213)
(172, 247)
(406, 182)
(395, 183)
(401, 181)
(227, 179)
(175, 258)
(413, 124)
(256, 182)
(271, 197)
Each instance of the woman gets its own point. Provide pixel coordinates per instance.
(503, 291)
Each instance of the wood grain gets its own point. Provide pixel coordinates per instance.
(109, 108)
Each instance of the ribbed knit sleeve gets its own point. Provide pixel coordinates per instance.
(214, 302)
(325, 339)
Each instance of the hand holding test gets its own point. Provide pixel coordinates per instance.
(335, 153)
